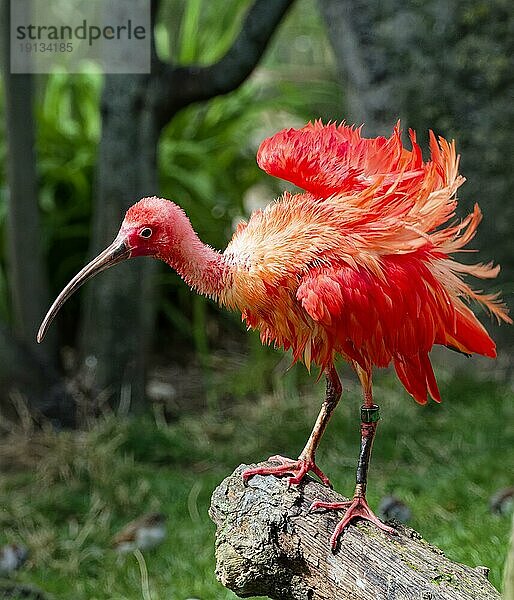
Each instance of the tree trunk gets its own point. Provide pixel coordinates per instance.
(362, 65)
(27, 274)
(269, 544)
(118, 309)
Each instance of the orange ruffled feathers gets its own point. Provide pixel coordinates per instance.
(367, 253)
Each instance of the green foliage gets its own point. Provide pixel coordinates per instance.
(443, 461)
(198, 31)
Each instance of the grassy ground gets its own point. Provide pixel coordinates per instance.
(64, 495)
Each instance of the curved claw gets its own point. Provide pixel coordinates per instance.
(298, 469)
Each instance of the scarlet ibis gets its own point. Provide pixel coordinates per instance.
(360, 265)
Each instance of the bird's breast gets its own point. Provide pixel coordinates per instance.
(253, 289)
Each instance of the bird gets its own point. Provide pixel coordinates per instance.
(360, 265)
(144, 533)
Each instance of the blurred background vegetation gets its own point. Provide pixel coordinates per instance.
(206, 395)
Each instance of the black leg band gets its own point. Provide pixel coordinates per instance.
(370, 414)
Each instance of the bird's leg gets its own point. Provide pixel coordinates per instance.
(358, 507)
(297, 469)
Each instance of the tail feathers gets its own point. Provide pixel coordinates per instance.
(417, 376)
(469, 335)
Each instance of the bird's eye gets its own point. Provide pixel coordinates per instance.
(146, 232)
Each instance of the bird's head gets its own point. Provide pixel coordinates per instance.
(151, 227)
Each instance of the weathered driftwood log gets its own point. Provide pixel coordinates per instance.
(269, 544)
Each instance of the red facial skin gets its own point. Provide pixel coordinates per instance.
(138, 242)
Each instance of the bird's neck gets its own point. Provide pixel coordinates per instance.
(200, 266)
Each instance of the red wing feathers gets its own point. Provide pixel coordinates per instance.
(374, 240)
(329, 159)
(395, 319)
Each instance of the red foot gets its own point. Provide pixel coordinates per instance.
(297, 468)
(357, 508)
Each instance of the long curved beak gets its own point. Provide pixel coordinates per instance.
(115, 253)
